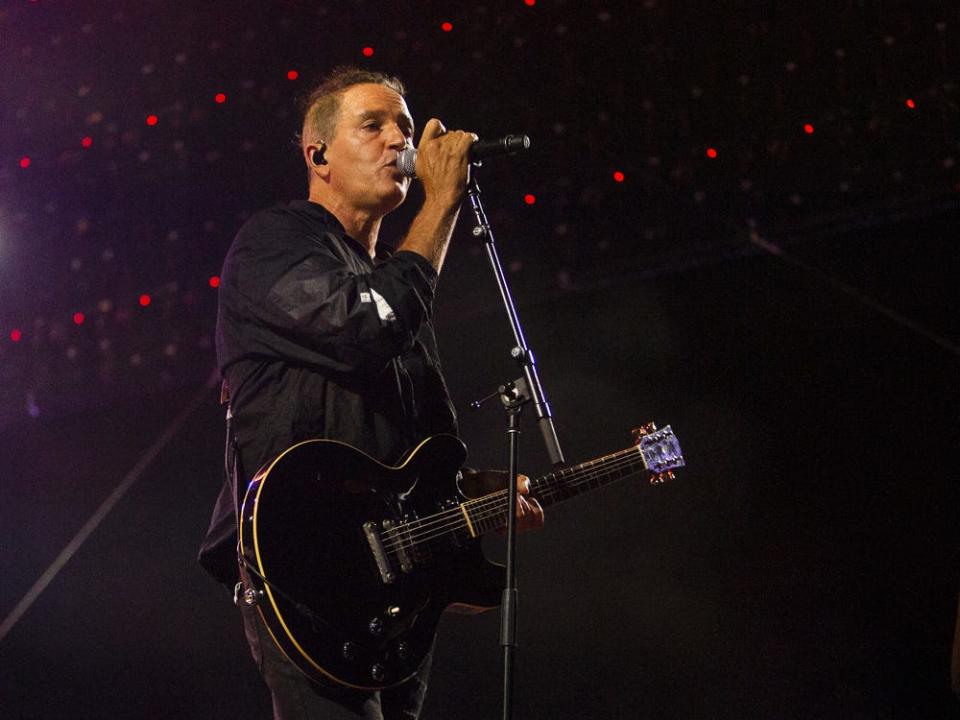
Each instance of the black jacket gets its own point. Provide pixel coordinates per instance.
(317, 341)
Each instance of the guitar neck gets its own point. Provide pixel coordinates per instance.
(490, 511)
(592, 475)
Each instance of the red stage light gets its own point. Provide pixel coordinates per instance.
(910, 103)
(214, 281)
(711, 152)
(220, 98)
(446, 27)
(87, 141)
(152, 120)
(15, 334)
(368, 52)
(530, 3)
(78, 318)
(808, 129)
(144, 300)
(619, 176)
(292, 74)
(529, 199)
(24, 162)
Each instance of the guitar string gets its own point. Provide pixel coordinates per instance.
(494, 505)
(477, 506)
(496, 509)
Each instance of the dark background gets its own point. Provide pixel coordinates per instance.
(788, 306)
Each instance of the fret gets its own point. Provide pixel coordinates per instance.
(587, 476)
(656, 453)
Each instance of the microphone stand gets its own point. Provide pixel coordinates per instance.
(513, 396)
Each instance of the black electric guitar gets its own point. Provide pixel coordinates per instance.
(351, 562)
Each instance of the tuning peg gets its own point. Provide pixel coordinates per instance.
(660, 478)
(645, 429)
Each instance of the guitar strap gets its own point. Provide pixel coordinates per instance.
(231, 460)
(231, 453)
(244, 591)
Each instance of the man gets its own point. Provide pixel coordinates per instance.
(321, 333)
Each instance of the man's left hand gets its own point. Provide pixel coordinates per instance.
(477, 483)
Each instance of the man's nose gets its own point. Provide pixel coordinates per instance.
(396, 138)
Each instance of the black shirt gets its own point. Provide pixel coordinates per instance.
(316, 340)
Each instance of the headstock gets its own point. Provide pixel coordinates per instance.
(660, 450)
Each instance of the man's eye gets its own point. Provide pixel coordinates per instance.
(370, 126)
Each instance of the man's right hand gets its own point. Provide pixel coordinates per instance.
(442, 163)
(443, 168)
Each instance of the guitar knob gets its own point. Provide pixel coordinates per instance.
(350, 651)
(378, 672)
(376, 626)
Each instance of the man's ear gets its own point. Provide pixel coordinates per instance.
(315, 155)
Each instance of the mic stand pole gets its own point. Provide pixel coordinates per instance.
(513, 395)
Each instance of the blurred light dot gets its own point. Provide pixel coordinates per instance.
(15, 334)
(220, 98)
(292, 74)
(910, 103)
(214, 281)
(808, 129)
(529, 199)
(152, 120)
(87, 141)
(368, 52)
(78, 318)
(711, 152)
(530, 3)
(446, 27)
(619, 176)
(144, 300)
(24, 162)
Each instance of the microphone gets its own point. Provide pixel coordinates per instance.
(480, 150)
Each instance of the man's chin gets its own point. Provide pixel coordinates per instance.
(395, 199)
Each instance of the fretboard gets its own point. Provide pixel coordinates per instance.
(489, 512)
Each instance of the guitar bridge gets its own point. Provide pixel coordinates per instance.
(379, 554)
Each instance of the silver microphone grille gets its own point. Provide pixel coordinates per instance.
(407, 162)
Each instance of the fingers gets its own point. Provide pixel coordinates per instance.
(529, 513)
(443, 161)
(434, 128)
(523, 484)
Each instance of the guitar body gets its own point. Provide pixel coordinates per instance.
(311, 524)
(351, 562)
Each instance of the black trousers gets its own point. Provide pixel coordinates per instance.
(295, 697)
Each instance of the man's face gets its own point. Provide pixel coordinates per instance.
(373, 125)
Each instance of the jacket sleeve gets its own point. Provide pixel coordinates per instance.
(297, 297)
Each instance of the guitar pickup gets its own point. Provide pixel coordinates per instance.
(399, 542)
(379, 554)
